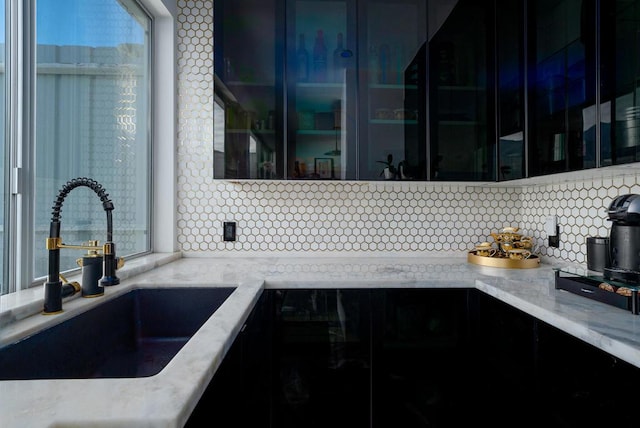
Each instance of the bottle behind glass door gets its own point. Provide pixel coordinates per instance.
(302, 60)
(338, 59)
(320, 58)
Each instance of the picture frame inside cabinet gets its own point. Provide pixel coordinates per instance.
(323, 168)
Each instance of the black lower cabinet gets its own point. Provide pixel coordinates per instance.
(421, 374)
(502, 357)
(239, 393)
(322, 358)
(579, 385)
(385, 358)
(546, 376)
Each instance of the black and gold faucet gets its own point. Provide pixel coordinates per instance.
(99, 261)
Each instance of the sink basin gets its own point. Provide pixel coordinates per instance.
(133, 335)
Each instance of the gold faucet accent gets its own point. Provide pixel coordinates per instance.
(75, 285)
(92, 245)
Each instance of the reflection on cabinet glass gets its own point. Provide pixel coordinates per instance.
(247, 131)
(620, 77)
(372, 358)
(392, 96)
(462, 142)
(321, 132)
(322, 359)
(563, 111)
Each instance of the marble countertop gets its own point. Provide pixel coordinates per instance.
(167, 399)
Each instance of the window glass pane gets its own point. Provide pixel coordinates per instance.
(92, 120)
(3, 287)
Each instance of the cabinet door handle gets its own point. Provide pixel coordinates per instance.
(585, 290)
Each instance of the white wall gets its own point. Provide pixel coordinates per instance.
(165, 16)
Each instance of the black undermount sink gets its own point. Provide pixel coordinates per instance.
(133, 335)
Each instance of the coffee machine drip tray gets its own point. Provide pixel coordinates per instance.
(617, 274)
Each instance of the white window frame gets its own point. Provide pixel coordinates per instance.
(19, 136)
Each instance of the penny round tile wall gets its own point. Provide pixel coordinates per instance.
(328, 217)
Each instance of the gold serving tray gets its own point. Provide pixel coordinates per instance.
(503, 262)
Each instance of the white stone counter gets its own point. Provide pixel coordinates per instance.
(167, 399)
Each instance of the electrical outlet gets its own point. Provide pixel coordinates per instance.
(554, 240)
(229, 231)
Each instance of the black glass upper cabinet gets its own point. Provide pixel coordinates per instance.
(392, 95)
(320, 89)
(443, 90)
(355, 89)
(620, 81)
(511, 89)
(320, 82)
(248, 133)
(462, 135)
(562, 45)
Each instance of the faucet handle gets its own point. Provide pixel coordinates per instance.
(93, 247)
(69, 288)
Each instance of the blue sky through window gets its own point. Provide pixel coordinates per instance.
(85, 23)
(2, 26)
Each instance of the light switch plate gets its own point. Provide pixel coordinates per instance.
(553, 231)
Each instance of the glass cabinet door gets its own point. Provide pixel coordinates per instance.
(320, 89)
(392, 132)
(510, 80)
(456, 90)
(462, 142)
(562, 110)
(620, 82)
(247, 107)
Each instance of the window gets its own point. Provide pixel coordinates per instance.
(89, 104)
(3, 145)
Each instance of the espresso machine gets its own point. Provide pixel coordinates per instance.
(624, 239)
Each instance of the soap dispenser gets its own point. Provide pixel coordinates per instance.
(91, 265)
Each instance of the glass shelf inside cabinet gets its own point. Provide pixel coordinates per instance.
(392, 86)
(393, 122)
(268, 85)
(593, 285)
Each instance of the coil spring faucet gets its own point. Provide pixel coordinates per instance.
(53, 291)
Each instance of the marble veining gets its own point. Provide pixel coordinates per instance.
(167, 399)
